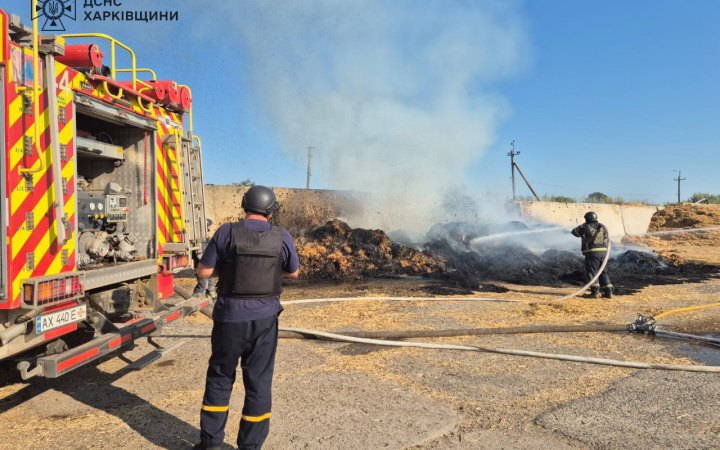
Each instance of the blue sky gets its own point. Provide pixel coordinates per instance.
(619, 95)
(605, 96)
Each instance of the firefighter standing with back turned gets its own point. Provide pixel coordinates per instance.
(250, 258)
(595, 239)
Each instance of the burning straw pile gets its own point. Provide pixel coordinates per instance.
(335, 251)
(471, 265)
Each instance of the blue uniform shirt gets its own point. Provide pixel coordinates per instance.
(230, 309)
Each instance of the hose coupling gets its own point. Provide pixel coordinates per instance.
(643, 324)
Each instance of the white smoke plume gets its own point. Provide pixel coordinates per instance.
(396, 96)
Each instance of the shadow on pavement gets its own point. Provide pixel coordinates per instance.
(95, 389)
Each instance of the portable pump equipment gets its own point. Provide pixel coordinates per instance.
(101, 199)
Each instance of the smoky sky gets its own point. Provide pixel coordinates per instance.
(398, 98)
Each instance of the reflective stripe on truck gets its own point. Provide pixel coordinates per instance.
(54, 366)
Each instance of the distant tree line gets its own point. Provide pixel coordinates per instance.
(595, 197)
(708, 198)
(245, 182)
(599, 197)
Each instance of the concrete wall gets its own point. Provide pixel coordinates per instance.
(304, 209)
(619, 219)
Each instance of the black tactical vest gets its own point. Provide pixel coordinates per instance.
(595, 238)
(254, 268)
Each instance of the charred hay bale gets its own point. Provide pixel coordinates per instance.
(562, 259)
(373, 242)
(518, 265)
(332, 230)
(633, 261)
(460, 232)
(513, 264)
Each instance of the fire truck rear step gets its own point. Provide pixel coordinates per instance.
(154, 356)
(59, 364)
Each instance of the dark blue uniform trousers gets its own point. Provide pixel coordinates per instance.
(593, 262)
(253, 343)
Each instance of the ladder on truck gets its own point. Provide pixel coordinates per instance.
(193, 193)
(186, 156)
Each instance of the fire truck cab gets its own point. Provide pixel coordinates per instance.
(101, 199)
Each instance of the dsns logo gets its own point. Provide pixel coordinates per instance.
(53, 11)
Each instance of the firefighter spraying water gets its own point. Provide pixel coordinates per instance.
(595, 242)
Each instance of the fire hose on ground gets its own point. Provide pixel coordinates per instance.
(383, 338)
(686, 309)
(506, 351)
(414, 334)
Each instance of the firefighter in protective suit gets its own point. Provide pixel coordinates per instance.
(595, 239)
(250, 257)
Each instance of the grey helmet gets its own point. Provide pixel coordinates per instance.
(260, 200)
(590, 217)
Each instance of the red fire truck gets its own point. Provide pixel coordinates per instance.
(101, 199)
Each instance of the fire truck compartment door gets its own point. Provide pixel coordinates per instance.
(97, 108)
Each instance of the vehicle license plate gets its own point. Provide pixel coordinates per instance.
(60, 318)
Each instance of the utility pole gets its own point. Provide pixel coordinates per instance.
(512, 154)
(513, 167)
(309, 159)
(679, 179)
